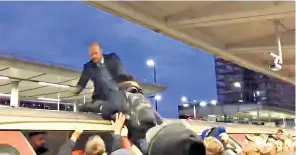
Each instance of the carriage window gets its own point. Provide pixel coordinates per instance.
(6, 149)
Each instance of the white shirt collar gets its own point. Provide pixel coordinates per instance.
(102, 61)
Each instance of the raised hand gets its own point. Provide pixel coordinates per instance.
(119, 123)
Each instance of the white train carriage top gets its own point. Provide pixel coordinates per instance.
(31, 119)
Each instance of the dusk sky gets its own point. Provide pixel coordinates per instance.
(60, 32)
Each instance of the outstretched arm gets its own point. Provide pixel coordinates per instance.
(118, 124)
(84, 78)
(118, 65)
(67, 147)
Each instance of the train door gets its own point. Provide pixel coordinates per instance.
(14, 143)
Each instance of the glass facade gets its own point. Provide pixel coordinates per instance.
(236, 84)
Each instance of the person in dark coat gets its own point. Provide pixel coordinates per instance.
(103, 70)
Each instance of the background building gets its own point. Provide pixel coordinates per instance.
(244, 96)
(236, 84)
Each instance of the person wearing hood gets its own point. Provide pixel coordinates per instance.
(174, 139)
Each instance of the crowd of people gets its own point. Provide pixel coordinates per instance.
(172, 139)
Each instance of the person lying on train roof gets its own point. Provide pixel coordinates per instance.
(137, 108)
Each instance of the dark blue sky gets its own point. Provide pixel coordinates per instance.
(60, 32)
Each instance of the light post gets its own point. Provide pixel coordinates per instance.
(151, 63)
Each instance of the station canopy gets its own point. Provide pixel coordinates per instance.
(46, 81)
(242, 32)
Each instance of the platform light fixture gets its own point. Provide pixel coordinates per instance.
(4, 78)
(5, 95)
(157, 97)
(150, 63)
(54, 85)
(213, 102)
(184, 99)
(186, 105)
(203, 103)
(48, 99)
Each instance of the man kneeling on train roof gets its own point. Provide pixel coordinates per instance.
(112, 87)
(110, 97)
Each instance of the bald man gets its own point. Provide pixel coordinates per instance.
(103, 70)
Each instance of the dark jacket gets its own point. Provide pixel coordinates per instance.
(91, 71)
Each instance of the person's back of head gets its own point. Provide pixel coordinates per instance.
(95, 146)
(125, 77)
(174, 139)
(213, 146)
(128, 83)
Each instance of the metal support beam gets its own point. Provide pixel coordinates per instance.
(14, 96)
(258, 114)
(277, 26)
(59, 100)
(75, 106)
(194, 111)
(284, 122)
(84, 99)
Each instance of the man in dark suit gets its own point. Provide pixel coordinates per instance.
(103, 69)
